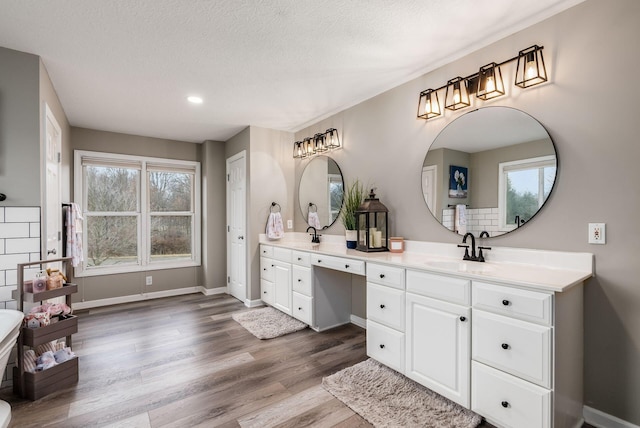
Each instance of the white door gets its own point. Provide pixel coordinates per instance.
(52, 224)
(438, 346)
(236, 227)
(429, 174)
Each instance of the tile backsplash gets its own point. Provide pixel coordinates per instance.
(19, 243)
(478, 219)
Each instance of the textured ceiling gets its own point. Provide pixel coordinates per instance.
(128, 66)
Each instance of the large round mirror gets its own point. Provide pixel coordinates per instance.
(321, 192)
(490, 170)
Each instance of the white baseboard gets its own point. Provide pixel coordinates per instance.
(137, 297)
(212, 291)
(360, 322)
(603, 420)
(253, 303)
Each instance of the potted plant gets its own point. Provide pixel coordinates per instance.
(353, 197)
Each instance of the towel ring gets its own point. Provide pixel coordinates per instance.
(274, 204)
(311, 205)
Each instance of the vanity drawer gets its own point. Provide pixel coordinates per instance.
(339, 263)
(386, 305)
(301, 258)
(266, 269)
(454, 290)
(508, 401)
(386, 275)
(302, 280)
(302, 308)
(266, 251)
(517, 347)
(267, 292)
(385, 345)
(527, 305)
(282, 254)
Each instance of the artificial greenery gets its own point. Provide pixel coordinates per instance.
(353, 197)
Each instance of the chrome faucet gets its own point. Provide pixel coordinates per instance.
(473, 257)
(315, 238)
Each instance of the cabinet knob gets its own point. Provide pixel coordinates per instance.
(506, 302)
(381, 306)
(264, 269)
(463, 319)
(264, 292)
(299, 259)
(381, 346)
(346, 266)
(299, 308)
(273, 265)
(505, 346)
(505, 404)
(381, 275)
(299, 280)
(319, 261)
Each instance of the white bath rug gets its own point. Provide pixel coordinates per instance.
(386, 398)
(267, 323)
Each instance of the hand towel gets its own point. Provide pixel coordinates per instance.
(314, 220)
(461, 219)
(275, 228)
(74, 234)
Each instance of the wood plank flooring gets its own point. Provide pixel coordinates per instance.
(183, 362)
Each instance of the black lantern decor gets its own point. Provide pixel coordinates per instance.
(372, 225)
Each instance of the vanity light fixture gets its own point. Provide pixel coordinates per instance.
(487, 83)
(490, 83)
(530, 70)
(457, 94)
(428, 105)
(319, 143)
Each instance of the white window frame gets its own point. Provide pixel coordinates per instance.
(144, 262)
(518, 165)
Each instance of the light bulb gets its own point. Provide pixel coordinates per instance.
(427, 106)
(490, 85)
(456, 96)
(530, 70)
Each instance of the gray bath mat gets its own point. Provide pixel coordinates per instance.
(267, 323)
(385, 398)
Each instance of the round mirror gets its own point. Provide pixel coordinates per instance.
(490, 170)
(321, 192)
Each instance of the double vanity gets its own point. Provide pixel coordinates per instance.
(503, 338)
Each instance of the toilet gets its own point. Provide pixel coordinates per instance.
(10, 322)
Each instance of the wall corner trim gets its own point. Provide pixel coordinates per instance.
(360, 322)
(253, 303)
(600, 419)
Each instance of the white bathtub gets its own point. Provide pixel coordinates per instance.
(10, 322)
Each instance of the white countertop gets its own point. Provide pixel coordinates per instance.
(536, 269)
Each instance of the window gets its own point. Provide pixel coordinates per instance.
(140, 213)
(523, 187)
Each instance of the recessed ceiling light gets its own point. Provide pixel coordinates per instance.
(194, 100)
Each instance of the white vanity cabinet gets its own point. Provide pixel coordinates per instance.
(527, 356)
(438, 334)
(386, 315)
(302, 285)
(275, 277)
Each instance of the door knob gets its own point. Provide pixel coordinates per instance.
(52, 251)
(240, 237)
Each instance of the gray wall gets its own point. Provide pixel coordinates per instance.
(118, 285)
(590, 109)
(19, 128)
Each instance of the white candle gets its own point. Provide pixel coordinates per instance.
(377, 239)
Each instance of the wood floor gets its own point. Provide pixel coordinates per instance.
(183, 362)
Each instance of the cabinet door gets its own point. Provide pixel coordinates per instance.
(266, 291)
(282, 286)
(438, 346)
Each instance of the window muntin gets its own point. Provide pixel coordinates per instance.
(140, 213)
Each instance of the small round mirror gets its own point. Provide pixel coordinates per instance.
(321, 192)
(490, 170)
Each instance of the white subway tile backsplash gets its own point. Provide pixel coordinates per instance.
(11, 276)
(5, 292)
(22, 214)
(11, 304)
(1, 214)
(34, 230)
(10, 261)
(22, 245)
(14, 230)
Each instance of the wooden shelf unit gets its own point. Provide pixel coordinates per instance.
(39, 384)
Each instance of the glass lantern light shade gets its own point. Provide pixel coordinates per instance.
(428, 104)
(309, 146)
(320, 143)
(372, 225)
(299, 150)
(333, 140)
(530, 70)
(457, 95)
(490, 83)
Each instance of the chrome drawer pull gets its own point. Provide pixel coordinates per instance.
(505, 346)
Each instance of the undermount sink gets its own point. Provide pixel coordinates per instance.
(461, 266)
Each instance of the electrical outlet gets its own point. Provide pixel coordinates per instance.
(289, 224)
(149, 280)
(597, 233)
